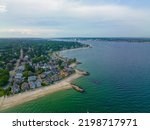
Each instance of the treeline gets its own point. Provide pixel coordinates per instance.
(4, 77)
(10, 48)
(5, 92)
(39, 49)
(9, 52)
(36, 48)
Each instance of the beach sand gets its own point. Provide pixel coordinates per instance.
(11, 101)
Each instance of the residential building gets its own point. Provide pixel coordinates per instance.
(18, 76)
(15, 89)
(25, 86)
(32, 85)
(38, 84)
(32, 78)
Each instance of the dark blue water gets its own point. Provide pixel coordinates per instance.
(120, 71)
(119, 81)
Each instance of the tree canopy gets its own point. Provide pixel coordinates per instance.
(4, 77)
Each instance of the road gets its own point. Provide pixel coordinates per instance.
(18, 62)
(13, 72)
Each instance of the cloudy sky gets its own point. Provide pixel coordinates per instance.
(73, 18)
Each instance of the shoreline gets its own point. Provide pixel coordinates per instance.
(74, 49)
(18, 99)
(7, 102)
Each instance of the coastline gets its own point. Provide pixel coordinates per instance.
(74, 49)
(65, 84)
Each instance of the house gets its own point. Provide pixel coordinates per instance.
(63, 74)
(15, 89)
(18, 81)
(13, 61)
(54, 71)
(69, 70)
(46, 82)
(65, 64)
(49, 80)
(21, 68)
(37, 66)
(25, 86)
(18, 76)
(45, 66)
(32, 78)
(10, 79)
(55, 78)
(43, 76)
(26, 58)
(47, 72)
(38, 84)
(32, 85)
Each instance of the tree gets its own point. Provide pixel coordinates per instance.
(28, 67)
(74, 60)
(2, 65)
(61, 67)
(4, 77)
(39, 71)
(2, 92)
(26, 74)
(8, 91)
(9, 66)
(43, 84)
(60, 62)
(40, 59)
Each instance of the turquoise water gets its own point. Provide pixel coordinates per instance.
(119, 81)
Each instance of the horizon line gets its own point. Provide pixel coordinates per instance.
(67, 37)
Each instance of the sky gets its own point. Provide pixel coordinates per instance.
(74, 18)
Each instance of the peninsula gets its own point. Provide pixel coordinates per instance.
(32, 68)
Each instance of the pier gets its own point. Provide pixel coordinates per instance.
(78, 89)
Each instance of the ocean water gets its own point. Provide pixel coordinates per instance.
(119, 81)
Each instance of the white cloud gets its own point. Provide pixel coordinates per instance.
(2, 8)
(30, 32)
(109, 12)
(73, 9)
(70, 15)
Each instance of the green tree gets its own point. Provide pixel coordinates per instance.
(26, 74)
(61, 67)
(39, 71)
(8, 91)
(2, 92)
(60, 62)
(9, 66)
(4, 77)
(28, 67)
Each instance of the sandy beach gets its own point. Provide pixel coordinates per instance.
(75, 49)
(11, 101)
